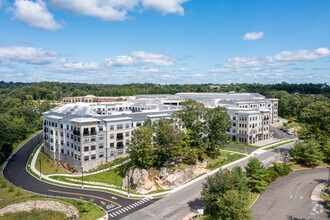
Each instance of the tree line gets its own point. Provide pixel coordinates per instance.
(57, 90)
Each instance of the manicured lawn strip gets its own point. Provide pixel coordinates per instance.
(243, 145)
(35, 214)
(219, 161)
(113, 177)
(277, 145)
(254, 197)
(47, 165)
(236, 150)
(107, 165)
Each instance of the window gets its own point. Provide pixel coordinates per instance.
(120, 152)
(127, 134)
(120, 137)
(71, 136)
(78, 139)
(85, 131)
(112, 153)
(51, 131)
(112, 136)
(100, 128)
(62, 151)
(120, 145)
(112, 127)
(93, 147)
(61, 134)
(79, 148)
(112, 144)
(67, 152)
(101, 146)
(86, 158)
(119, 126)
(127, 125)
(67, 144)
(86, 148)
(86, 139)
(93, 131)
(93, 138)
(100, 137)
(234, 117)
(71, 145)
(101, 154)
(93, 156)
(67, 135)
(138, 124)
(67, 127)
(62, 142)
(75, 147)
(75, 156)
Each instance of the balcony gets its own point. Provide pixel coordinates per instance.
(76, 132)
(93, 132)
(86, 134)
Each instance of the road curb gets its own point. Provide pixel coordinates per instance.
(316, 192)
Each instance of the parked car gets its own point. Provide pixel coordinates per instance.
(290, 133)
(285, 130)
(287, 154)
(285, 124)
(280, 128)
(289, 122)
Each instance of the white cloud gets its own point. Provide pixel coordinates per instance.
(155, 59)
(35, 14)
(74, 67)
(253, 35)
(151, 70)
(222, 70)
(108, 10)
(165, 6)
(300, 55)
(243, 62)
(29, 55)
(120, 61)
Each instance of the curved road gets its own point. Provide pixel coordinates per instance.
(289, 197)
(16, 173)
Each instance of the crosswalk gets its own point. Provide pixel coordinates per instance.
(120, 210)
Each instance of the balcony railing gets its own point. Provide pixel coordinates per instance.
(86, 134)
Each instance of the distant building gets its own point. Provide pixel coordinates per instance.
(90, 99)
(86, 133)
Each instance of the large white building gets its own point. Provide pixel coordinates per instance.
(88, 134)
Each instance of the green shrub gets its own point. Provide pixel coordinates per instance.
(11, 188)
(3, 183)
(18, 191)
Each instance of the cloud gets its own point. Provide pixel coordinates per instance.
(74, 67)
(300, 55)
(108, 10)
(120, 61)
(29, 55)
(151, 70)
(165, 6)
(243, 62)
(222, 70)
(155, 59)
(253, 36)
(35, 14)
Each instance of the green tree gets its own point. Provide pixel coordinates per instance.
(253, 166)
(190, 116)
(141, 149)
(217, 123)
(233, 205)
(240, 180)
(308, 153)
(168, 141)
(259, 181)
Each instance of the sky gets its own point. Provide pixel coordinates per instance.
(165, 41)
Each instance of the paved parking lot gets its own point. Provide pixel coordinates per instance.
(289, 197)
(280, 134)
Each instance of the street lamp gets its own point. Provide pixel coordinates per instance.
(40, 166)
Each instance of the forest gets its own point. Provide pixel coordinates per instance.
(22, 104)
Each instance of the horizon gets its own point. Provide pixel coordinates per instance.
(174, 42)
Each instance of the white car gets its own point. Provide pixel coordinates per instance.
(290, 133)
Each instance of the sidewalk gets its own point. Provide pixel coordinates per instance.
(317, 191)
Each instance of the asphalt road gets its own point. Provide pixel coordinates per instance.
(16, 173)
(289, 197)
(179, 204)
(280, 134)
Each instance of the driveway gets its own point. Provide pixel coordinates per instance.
(289, 197)
(280, 134)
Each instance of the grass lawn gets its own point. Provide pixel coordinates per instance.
(113, 177)
(243, 145)
(36, 214)
(8, 198)
(254, 198)
(107, 165)
(236, 150)
(277, 145)
(220, 161)
(47, 166)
